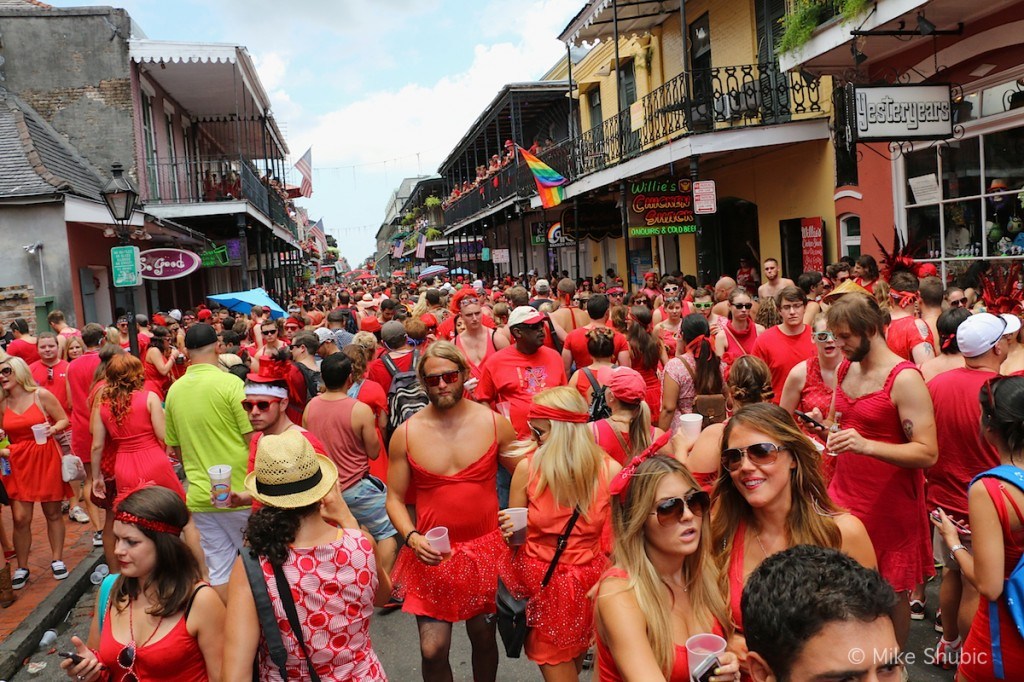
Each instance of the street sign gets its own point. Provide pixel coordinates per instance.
(126, 266)
(705, 197)
(501, 256)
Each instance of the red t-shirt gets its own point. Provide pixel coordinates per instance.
(378, 371)
(781, 353)
(965, 454)
(80, 372)
(24, 350)
(576, 342)
(905, 334)
(512, 377)
(53, 379)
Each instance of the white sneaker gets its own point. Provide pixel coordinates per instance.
(78, 514)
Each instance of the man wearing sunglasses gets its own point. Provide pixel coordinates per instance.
(270, 341)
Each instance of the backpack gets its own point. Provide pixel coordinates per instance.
(711, 406)
(1013, 588)
(406, 395)
(598, 404)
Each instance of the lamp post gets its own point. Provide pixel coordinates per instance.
(121, 198)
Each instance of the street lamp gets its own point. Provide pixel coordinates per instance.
(120, 196)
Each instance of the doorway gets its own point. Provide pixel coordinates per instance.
(94, 282)
(726, 236)
(792, 240)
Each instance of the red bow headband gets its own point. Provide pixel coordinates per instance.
(904, 298)
(619, 486)
(696, 346)
(556, 414)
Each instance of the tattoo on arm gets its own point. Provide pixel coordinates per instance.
(908, 428)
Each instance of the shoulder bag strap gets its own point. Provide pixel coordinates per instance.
(389, 364)
(265, 611)
(618, 437)
(563, 540)
(555, 341)
(105, 587)
(284, 592)
(592, 379)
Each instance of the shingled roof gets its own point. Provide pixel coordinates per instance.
(35, 160)
(24, 4)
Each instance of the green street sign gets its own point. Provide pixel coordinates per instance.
(126, 266)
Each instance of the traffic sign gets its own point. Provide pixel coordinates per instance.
(705, 198)
(126, 266)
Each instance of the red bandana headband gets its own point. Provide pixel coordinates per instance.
(697, 345)
(557, 414)
(148, 524)
(904, 298)
(619, 485)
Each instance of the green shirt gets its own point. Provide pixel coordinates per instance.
(206, 420)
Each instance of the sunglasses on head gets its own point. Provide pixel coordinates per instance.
(263, 405)
(823, 337)
(469, 300)
(759, 454)
(672, 510)
(434, 380)
(743, 306)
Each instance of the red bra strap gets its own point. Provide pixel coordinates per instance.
(998, 493)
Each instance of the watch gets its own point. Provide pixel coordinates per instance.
(954, 549)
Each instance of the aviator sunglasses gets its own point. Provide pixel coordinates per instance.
(672, 510)
(434, 380)
(759, 454)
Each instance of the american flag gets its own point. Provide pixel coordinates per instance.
(421, 246)
(317, 233)
(305, 167)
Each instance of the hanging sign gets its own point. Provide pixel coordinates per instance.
(217, 256)
(661, 206)
(169, 263)
(813, 246)
(887, 113)
(501, 256)
(705, 197)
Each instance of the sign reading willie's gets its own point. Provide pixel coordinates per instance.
(661, 206)
(886, 113)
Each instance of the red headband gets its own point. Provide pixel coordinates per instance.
(619, 485)
(696, 346)
(904, 298)
(557, 414)
(148, 524)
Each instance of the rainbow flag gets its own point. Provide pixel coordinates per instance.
(549, 182)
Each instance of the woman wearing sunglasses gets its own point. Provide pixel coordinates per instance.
(155, 621)
(651, 290)
(663, 586)
(771, 496)
(737, 336)
(563, 470)
(669, 290)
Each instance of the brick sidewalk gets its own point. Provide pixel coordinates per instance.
(77, 545)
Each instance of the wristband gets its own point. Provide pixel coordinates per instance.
(410, 534)
(953, 550)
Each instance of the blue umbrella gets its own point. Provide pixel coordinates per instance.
(243, 301)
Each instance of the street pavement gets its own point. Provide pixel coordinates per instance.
(395, 640)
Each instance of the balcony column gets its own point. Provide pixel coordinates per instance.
(576, 232)
(244, 256)
(624, 210)
(618, 81)
(698, 238)
(526, 243)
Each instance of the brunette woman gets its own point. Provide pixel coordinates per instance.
(601, 346)
(160, 359)
(736, 337)
(695, 370)
(646, 354)
(667, 330)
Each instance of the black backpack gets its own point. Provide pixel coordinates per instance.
(598, 405)
(406, 396)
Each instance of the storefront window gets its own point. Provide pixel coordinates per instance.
(961, 169)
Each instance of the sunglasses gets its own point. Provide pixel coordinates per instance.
(823, 337)
(672, 510)
(263, 405)
(703, 306)
(291, 328)
(537, 433)
(6, 371)
(759, 454)
(268, 332)
(469, 300)
(669, 289)
(49, 375)
(743, 306)
(434, 380)
(956, 303)
(126, 659)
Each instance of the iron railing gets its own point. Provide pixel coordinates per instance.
(703, 101)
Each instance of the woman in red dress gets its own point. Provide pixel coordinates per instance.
(563, 470)
(667, 330)
(735, 337)
(160, 358)
(663, 588)
(646, 354)
(35, 469)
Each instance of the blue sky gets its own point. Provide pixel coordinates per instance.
(371, 83)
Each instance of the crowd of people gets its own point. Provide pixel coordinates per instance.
(432, 447)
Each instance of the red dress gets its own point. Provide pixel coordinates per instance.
(609, 672)
(816, 394)
(560, 616)
(669, 339)
(155, 381)
(738, 343)
(653, 383)
(889, 500)
(139, 456)
(35, 469)
(976, 656)
(464, 585)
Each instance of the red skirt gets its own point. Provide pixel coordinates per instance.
(459, 588)
(560, 615)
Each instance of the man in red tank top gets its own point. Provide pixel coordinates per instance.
(449, 452)
(908, 336)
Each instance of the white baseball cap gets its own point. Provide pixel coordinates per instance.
(542, 285)
(979, 333)
(525, 314)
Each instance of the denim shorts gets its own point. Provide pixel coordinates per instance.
(366, 499)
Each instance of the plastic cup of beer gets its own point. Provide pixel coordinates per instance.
(41, 432)
(518, 516)
(220, 484)
(691, 425)
(703, 646)
(438, 539)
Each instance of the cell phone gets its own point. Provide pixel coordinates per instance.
(810, 420)
(706, 670)
(75, 658)
(961, 527)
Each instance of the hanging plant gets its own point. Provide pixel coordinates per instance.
(433, 233)
(410, 241)
(851, 9)
(432, 202)
(805, 16)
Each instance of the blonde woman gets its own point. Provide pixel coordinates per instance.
(563, 482)
(663, 587)
(771, 496)
(73, 348)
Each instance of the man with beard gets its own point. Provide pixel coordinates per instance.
(439, 452)
(773, 282)
(883, 435)
(788, 344)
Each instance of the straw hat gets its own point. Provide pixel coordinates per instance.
(846, 287)
(288, 473)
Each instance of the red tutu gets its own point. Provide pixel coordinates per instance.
(560, 615)
(460, 587)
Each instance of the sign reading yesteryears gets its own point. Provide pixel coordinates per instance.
(661, 206)
(886, 113)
